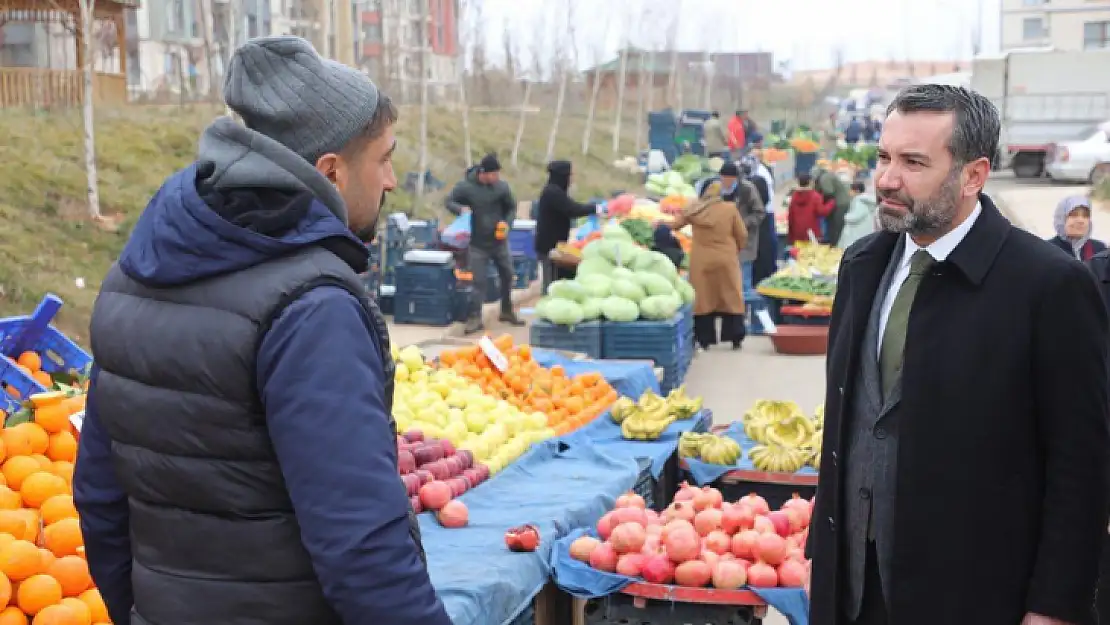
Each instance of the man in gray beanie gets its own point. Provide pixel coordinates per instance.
(238, 460)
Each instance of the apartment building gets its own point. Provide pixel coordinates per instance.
(1062, 24)
(389, 44)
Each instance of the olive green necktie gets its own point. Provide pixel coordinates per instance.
(894, 336)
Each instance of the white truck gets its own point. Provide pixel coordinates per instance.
(1044, 96)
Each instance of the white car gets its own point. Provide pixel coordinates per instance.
(1084, 159)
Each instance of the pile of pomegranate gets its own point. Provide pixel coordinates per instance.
(702, 540)
(434, 473)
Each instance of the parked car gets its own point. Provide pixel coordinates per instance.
(1084, 159)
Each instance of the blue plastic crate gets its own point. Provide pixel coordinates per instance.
(386, 299)
(584, 338)
(657, 340)
(423, 309)
(522, 241)
(13, 378)
(524, 270)
(645, 483)
(420, 235)
(425, 278)
(461, 301)
(34, 333)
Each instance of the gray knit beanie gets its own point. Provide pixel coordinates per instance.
(283, 89)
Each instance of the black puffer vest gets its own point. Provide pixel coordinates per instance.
(214, 536)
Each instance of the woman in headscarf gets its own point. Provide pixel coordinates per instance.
(1073, 228)
(664, 242)
(718, 236)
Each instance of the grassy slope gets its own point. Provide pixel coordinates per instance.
(46, 243)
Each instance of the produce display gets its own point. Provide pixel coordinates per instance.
(446, 404)
(619, 281)
(43, 573)
(787, 439)
(701, 540)
(648, 418)
(30, 363)
(818, 257)
(802, 139)
(567, 403)
(673, 183)
(709, 448)
(797, 283)
(640, 231)
(434, 472)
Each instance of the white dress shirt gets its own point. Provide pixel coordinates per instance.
(939, 250)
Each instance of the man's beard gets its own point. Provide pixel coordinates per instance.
(930, 216)
(366, 233)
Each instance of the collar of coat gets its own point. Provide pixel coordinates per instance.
(973, 256)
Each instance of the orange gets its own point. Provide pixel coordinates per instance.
(58, 614)
(20, 560)
(5, 540)
(53, 418)
(38, 487)
(37, 592)
(43, 378)
(38, 436)
(58, 507)
(45, 464)
(63, 537)
(15, 523)
(16, 442)
(12, 615)
(72, 573)
(9, 500)
(91, 598)
(48, 559)
(34, 523)
(82, 611)
(18, 468)
(64, 470)
(62, 446)
(5, 590)
(30, 360)
(3, 450)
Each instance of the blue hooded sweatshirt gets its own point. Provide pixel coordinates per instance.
(248, 200)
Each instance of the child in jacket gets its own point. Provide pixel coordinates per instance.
(807, 208)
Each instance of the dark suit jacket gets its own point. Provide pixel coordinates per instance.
(1002, 481)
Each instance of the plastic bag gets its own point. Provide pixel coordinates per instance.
(457, 235)
(592, 224)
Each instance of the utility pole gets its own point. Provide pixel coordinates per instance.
(344, 41)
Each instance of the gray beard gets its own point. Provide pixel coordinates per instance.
(928, 217)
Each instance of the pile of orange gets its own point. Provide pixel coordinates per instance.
(568, 402)
(44, 579)
(30, 363)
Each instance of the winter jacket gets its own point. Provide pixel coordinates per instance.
(238, 462)
(557, 209)
(837, 196)
(752, 211)
(489, 204)
(806, 210)
(859, 221)
(736, 134)
(715, 139)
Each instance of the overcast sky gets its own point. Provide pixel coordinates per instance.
(804, 32)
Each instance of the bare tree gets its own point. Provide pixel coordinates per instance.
(564, 70)
(593, 95)
(621, 77)
(423, 161)
(645, 17)
(474, 34)
(88, 17)
(204, 12)
(537, 72)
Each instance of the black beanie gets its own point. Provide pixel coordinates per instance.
(489, 163)
(730, 169)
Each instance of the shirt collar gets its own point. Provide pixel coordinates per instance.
(944, 246)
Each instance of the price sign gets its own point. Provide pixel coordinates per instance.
(77, 419)
(495, 355)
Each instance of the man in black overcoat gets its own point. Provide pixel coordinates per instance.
(964, 467)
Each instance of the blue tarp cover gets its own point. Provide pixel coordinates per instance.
(607, 435)
(705, 473)
(578, 579)
(556, 486)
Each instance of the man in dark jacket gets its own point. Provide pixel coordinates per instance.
(740, 190)
(555, 211)
(839, 198)
(943, 404)
(238, 461)
(491, 205)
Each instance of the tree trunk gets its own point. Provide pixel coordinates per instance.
(87, 8)
(563, 80)
(593, 108)
(707, 97)
(465, 120)
(640, 97)
(206, 22)
(620, 101)
(520, 124)
(423, 162)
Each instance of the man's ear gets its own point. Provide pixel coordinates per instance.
(328, 166)
(977, 173)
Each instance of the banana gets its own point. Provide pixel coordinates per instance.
(622, 409)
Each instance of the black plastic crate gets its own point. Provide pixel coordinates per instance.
(425, 278)
(462, 301)
(525, 270)
(584, 338)
(645, 484)
(423, 309)
(620, 609)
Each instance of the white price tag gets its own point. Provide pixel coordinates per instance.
(77, 419)
(495, 355)
(765, 319)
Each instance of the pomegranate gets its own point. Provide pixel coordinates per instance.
(771, 548)
(604, 558)
(628, 537)
(729, 575)
(694, 573)
(707, 520)
(792, 574)
(453, 514)
(631, 500)
(795, 554)
(605, 525)
(654, 530)
(582, 547)
(756, 503)
(679, 510)
(743, 544)
(652, 516)
(761, 575)
(685, 492)
(434, 495)
(629, 515)
(781, 522)
(676, 525)
(716, 500)
(682, 545)
(802, 507)
(417, 507)
(736, 517)
(652, 544)
(657, 569)
(704, 499)
(802, 538)
(629, 564)
(718, 542)
(414, 436)
(522, 538)
(709, 557)
(763, 525)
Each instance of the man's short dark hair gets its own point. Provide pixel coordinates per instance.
(715, 114)
(977, 126)
(858, 187)
(804, 179)
(385, 115)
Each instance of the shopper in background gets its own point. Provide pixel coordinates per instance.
(807, 207)
(737, 137)
(835, 191)
(491, 205)
(556, 211)
(716, 141)
(766, 261)
(1073, 228)
(859, 221)
(740, 191)
(665, 242)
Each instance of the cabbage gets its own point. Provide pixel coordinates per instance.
(654, 284)
(617, 251)
(661, 265)
(567, 289)
(595, 285)
(619, 309)
(659, 307)
(628, 289)
(685, 291)
(643, 262)
(629, 252)
(591, 308)
(613, 230)
(593, 266)
(620, 273)
(541, 308)
(593, 249)
(563, 311)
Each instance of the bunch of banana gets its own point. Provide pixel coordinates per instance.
(646, 426)
(792, 432)
(709, 448)
(774, 458)
(814, 448)
(621, 409)
(681, 405)
(689, 444)
(819, 416)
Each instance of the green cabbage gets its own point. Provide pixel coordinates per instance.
(613, 230)
(593, 249)
(595, 285)
(654, 284)
(660, 307)
(629, 252)
(685, 291)
(541, 308)
(591, 308)
(563, 312)
(621, 273)
(567, 289)
(619, 309)
(628, 289)
(662, 265)
(643, 262)
(595, 265)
